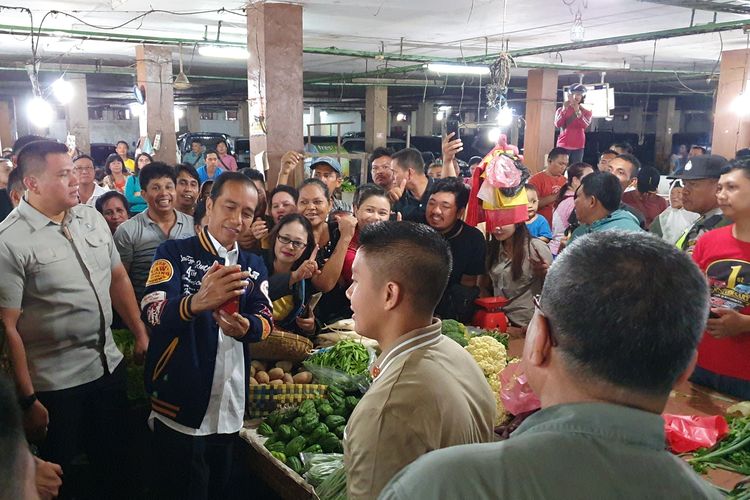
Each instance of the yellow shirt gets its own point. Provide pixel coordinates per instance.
(130, 165)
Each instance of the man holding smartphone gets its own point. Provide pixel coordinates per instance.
(204, 299)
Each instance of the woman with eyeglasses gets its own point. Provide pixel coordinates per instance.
(133, 186)
(333, 239)
(291, 266)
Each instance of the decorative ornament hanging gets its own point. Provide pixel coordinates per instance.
(500, 79)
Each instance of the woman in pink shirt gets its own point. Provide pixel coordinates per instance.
(227, 161)
(573, 119)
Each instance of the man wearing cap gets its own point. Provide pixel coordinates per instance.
(700, 178)
(573, 119)
(328, 170)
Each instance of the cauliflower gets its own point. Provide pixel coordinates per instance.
(491, 357)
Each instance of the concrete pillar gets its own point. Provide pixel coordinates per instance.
(425, 118)
(541, 101)
(376, 117)
(22, 119)
(514, 132)
(243, 117)
(6, 126)
(77, 113)
(315, 118)
(274, 73)
(154, 73)
(193, 118)
(731, 129)
(665, 118)
(635, 120)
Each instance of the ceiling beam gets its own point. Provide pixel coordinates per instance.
(730, 8)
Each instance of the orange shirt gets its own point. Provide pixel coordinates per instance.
(546, 185)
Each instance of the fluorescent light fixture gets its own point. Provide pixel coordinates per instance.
(63, 90)
(445, 108)
(400, 117)
(505, 116)
(40, 112)
(493, 135)
(440, 116)
(458, 69)
(179, 114)
(223, 51)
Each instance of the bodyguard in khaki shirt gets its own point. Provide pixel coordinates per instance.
(427, 393)
(60, 267)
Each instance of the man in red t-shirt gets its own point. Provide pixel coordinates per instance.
(724, 255)
(549, 181)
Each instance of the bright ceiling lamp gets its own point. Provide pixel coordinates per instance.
(40, 112)
(505, 116)
(400, 117)
(458, 69)
(63, 90)
(493, 135)
(223, 51)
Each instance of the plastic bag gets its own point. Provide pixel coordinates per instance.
(690, 432)
(515, 392)
(501, 172)
(321, 465)
(346, 382)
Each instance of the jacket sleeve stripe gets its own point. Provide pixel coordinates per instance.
(165, 357)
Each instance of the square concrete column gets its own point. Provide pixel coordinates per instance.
(731, 129)
(77, 113)
(376, 117)
(244, 119)
(154, 72)
(635, 120)
(665, 119)
(315, 118)
(193, 118)
(6, 125)
(541, 102)
(425, 119)
(274, 87)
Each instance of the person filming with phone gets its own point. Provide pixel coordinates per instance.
(204, 299)
(572, 119)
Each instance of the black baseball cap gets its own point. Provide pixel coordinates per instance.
(702, 167)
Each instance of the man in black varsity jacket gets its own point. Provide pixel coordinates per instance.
(204, 299)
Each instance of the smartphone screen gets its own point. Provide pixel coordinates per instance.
(451, 126)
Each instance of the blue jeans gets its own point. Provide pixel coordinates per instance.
(575, 156)
(730, 386)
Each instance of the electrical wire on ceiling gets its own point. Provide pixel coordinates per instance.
(642, 135)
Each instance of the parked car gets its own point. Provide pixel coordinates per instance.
(209, 140)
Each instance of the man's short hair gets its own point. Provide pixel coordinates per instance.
(611, 324)
(196, 141)
(409, 158)
(33, 156)
(635, 163)
(123, 142)
(740, 163)
(379, 153)
(414, 255)
(452, 185)
(188, 169)
(220, 181)
(15, 181)
(254, 174)
(13, 462)
(608, 152)
(156, 170)
(605, 187)
(100, 201)
(702, 148)
(625, 146)
(212, 152)
(555, 152)
(24, 140)
(83, 156)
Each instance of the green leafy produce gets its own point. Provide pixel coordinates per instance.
(277, 446)
(271, 439)
(455, 331)
(351, 402)
(298, 422)
(318, 433)
(265, 430)
(331, 443)
(295, 464)
(333, 421)
(307, 406)
(336, 399)
(321, 465)
(295, 446)
(315, 448)
(346, 356)
(497, 335)
(732, 453)
(334, 486)
(274, 419)
(325, 409)
(278, 455)
(284, 433)
(309, 422)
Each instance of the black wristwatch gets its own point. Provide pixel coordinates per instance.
(27, 402)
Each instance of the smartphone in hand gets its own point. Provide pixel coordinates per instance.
(231, 306)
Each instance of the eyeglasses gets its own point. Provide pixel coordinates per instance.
(537, 303)
(83, 169)
(288, 241)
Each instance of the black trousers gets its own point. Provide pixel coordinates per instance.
(90, 418)
(191, 467)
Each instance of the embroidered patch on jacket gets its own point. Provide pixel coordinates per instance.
(153, 297)
(161, 272)
(154, 312)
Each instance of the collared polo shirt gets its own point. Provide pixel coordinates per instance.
(412, 208)
(582, 450)
(98, 191)
(59, 276)
(428, 393)
(137, 240)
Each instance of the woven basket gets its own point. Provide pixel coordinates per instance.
(282, 345)
(265, 398)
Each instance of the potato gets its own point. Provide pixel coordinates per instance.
(302, 378)
(259, 365)
(285, 365)
(276, 373)
(253, 381)
(277, 382)
(262, 377)
(252, 371)
(288, 379)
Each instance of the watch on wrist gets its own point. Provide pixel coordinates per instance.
(27, 402)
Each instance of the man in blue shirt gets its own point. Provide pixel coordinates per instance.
(210, 171)
(195, 157)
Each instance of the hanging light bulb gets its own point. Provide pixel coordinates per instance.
(63, 90)
(400, 117)
(440, 115)
(577, 31)
(505, 116)
(493, 135)
(40, 112)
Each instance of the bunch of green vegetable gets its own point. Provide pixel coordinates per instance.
(732, 453)
(346, 356)
(321, 465)
(455, 331)
(334, 486)
(314, 427)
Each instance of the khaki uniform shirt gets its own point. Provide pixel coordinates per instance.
(59, 276)
(428, 393)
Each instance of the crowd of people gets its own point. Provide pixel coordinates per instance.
(200, 260)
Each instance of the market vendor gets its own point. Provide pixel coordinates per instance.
(428, 392)
(599, 433)
(724, 255)
(197, 367)
(291, 265)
